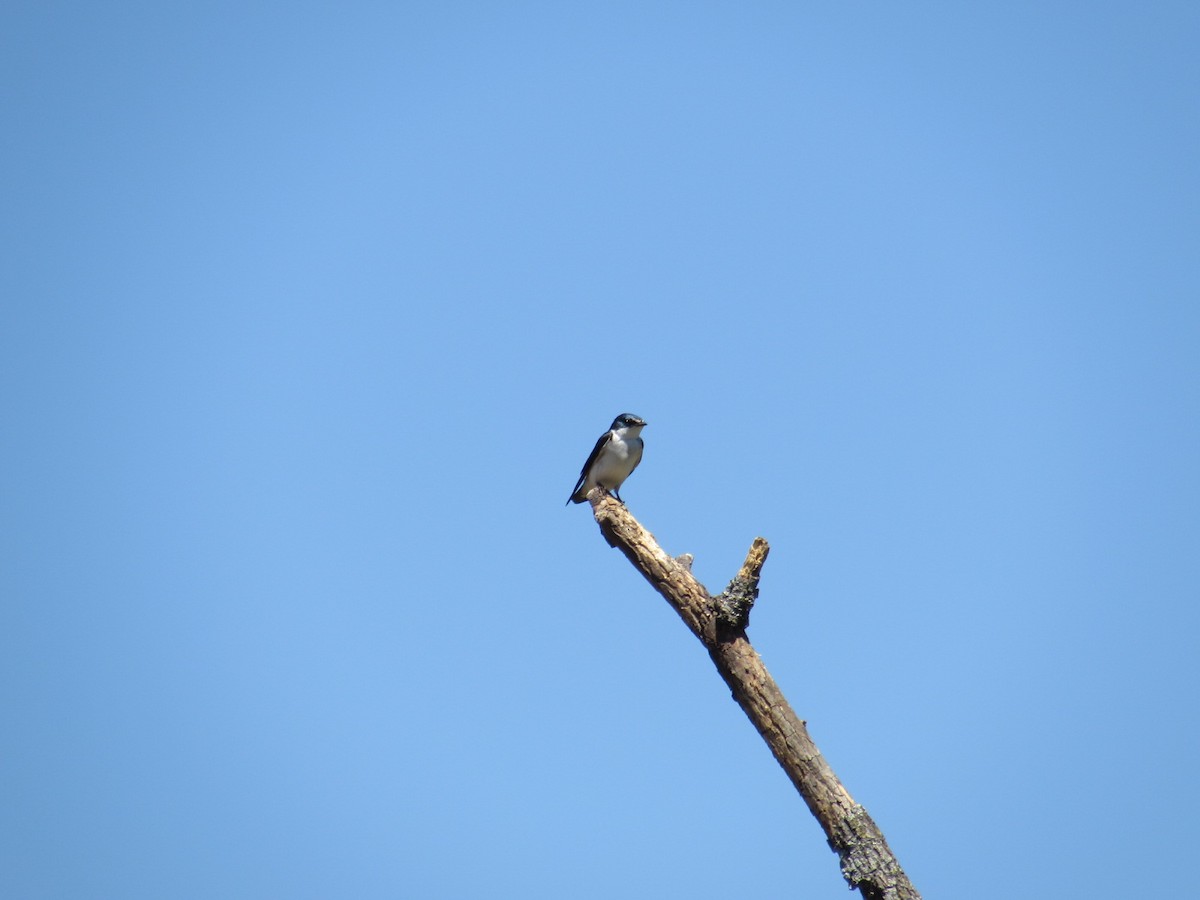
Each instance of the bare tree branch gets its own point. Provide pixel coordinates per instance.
(720, 623)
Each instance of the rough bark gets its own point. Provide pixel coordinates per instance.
(720, 623)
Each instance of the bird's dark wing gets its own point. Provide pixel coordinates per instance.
(600, 442)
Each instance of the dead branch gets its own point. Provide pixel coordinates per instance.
(720, 623)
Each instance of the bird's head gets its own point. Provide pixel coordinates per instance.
(627, 420)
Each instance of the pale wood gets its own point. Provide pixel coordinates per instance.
(720, 623)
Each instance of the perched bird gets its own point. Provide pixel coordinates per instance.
(613, 459)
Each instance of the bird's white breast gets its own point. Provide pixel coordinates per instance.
(619, 457)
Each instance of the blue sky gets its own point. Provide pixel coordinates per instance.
(312, 312)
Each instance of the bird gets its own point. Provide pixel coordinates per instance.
(615, 456)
